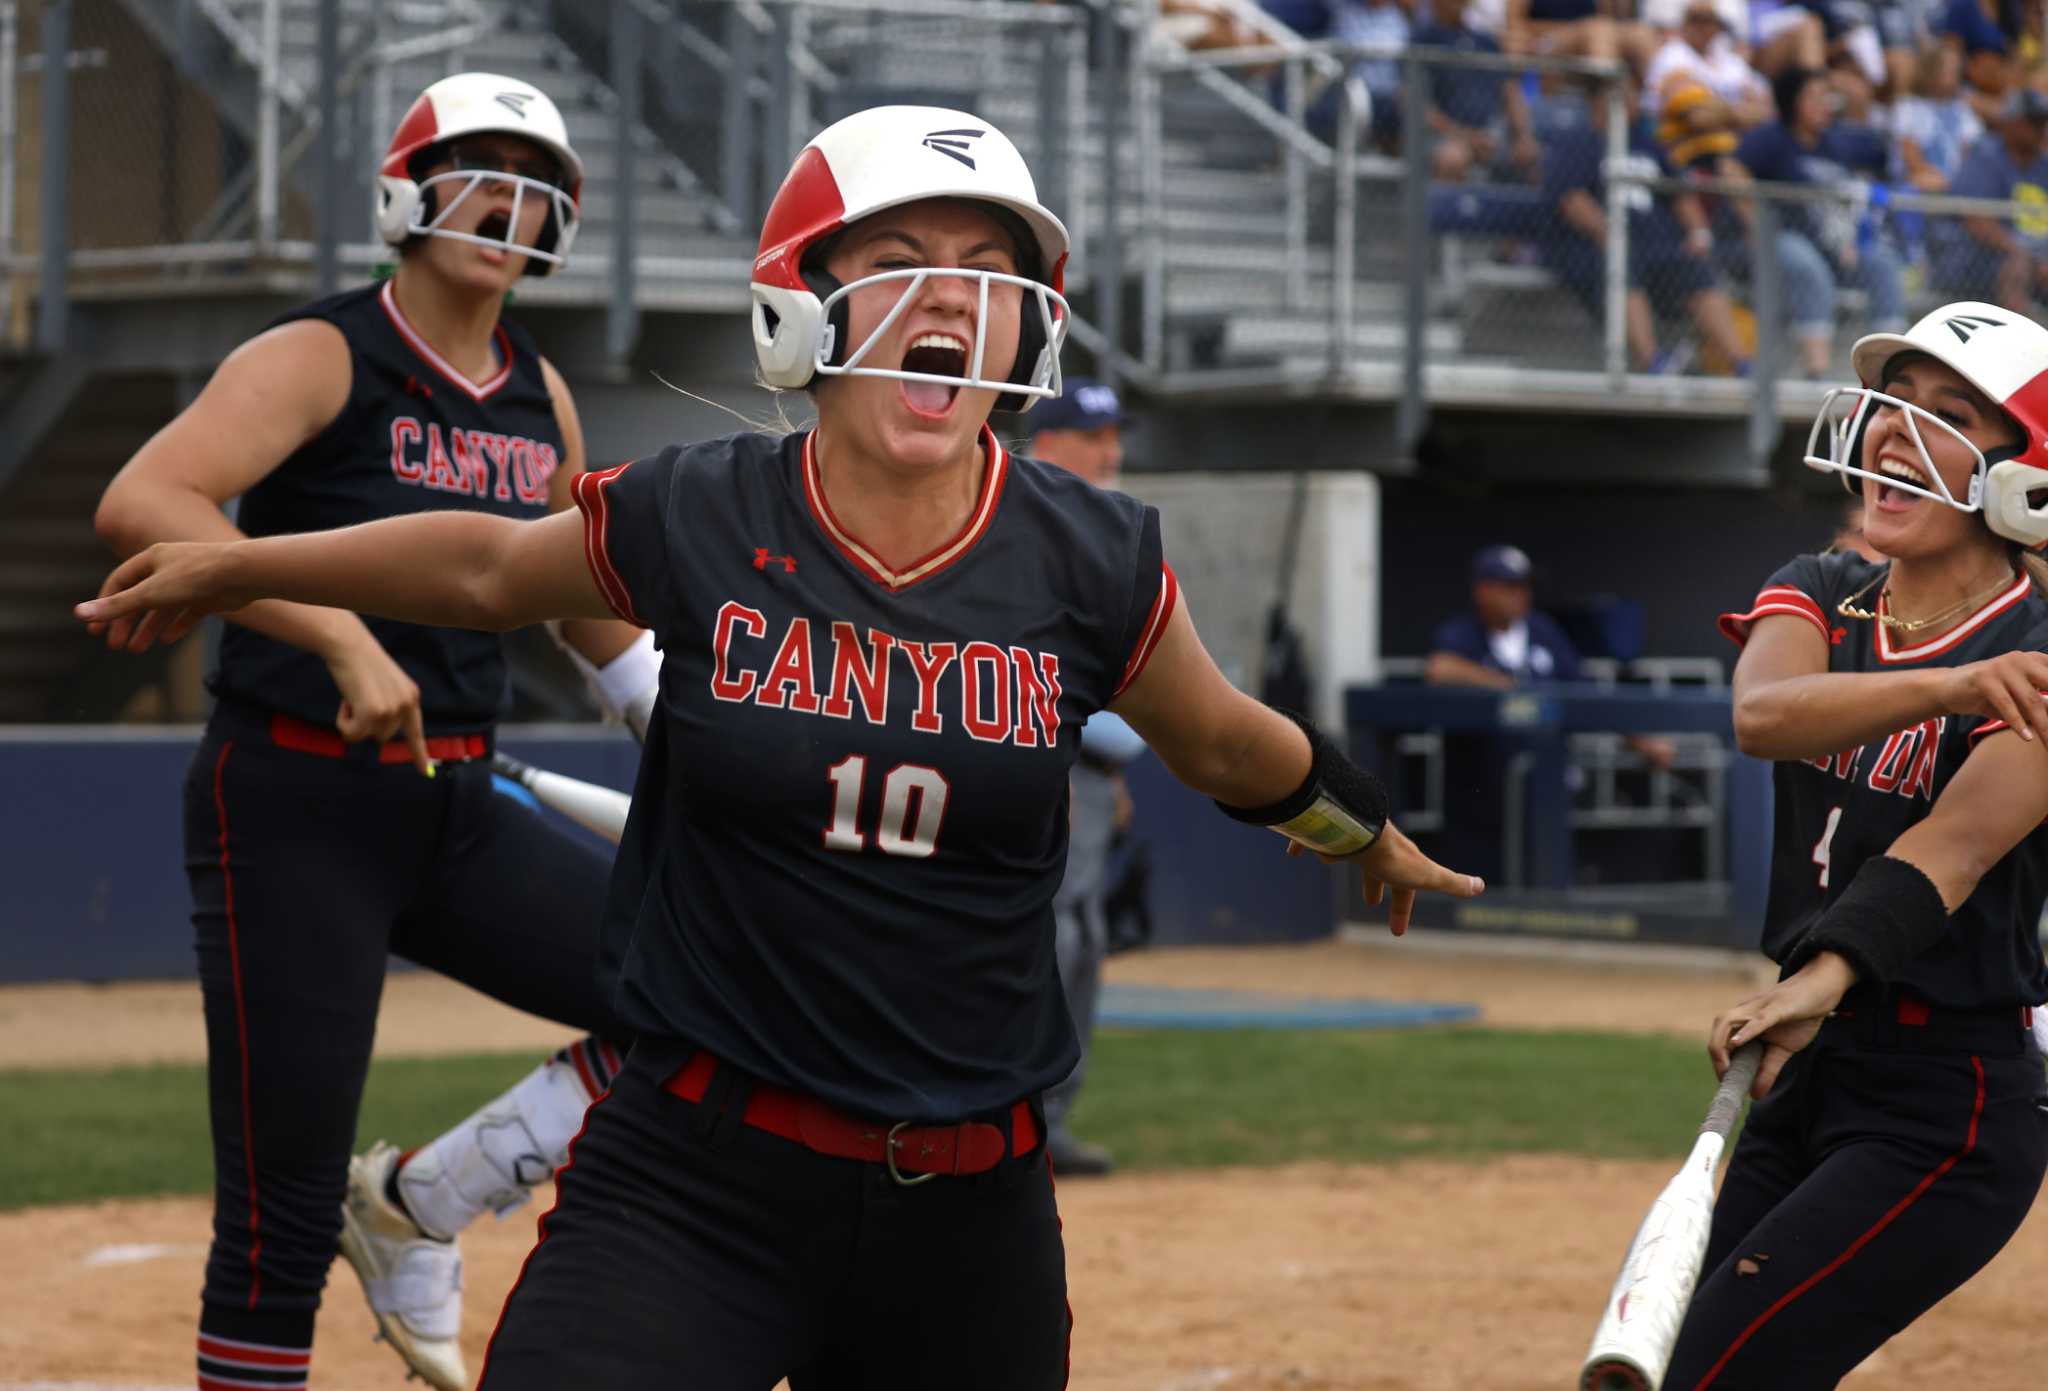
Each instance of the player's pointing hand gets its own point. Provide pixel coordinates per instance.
(1394, 863)
(159, 594)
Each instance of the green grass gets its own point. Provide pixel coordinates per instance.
(74, 1136)
(1195, 1099)
(1164, 1099)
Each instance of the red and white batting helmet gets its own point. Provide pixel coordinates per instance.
(479, 103)
(2002, 354)
(883, 158)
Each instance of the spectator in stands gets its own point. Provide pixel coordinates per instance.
(1384, 24)
(1480, 118)
(1971, 30)
(1933, 127)
(1989, 258)
(1200, 24)
(1818, 245)
(1700, 91)
(1670, 246)
(1783, 35)
(1308, 18)
(1575, 29)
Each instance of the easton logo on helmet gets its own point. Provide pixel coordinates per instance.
(953, 144)
(1963, 325)
(516, 101)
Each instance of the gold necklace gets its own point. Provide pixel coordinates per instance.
(1847, 608)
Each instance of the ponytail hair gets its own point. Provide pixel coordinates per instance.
(2034, 564)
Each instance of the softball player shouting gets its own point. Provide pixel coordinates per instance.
(314, 846)
(1904, 1140)
(831, 916)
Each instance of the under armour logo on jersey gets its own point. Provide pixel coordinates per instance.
(1835, 636)
(762, 558)
(1963, 325)
(516, 101)
(953, 143)
(415, 387)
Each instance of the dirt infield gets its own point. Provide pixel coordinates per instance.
(1403, 1278)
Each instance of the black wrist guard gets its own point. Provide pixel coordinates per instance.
(1889, 914)
(1340, 810)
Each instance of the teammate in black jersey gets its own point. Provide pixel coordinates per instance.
(314, 844)
(831, 917)
(1904, 1139)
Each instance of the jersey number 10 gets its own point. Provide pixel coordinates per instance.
(913, 805)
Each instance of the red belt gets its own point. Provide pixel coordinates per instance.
(288, 733)
(972, 1147)
(1917, 1014)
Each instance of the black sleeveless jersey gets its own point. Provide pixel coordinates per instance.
(1836, 811)
(851, 815)
(414, 436)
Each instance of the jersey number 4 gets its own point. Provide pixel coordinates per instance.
(1822, 854)
(913, 806)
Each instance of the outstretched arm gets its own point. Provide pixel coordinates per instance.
(1789, 705)
(1221, 742)
(452, 569)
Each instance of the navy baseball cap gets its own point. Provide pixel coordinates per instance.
(1085, 404)
(1505, 564)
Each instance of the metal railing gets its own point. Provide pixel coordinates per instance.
(1247, 216)
(280, 183)
(1431, 289)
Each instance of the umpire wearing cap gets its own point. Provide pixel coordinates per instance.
(1081, 431)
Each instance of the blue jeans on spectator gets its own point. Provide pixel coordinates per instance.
(1809, 285)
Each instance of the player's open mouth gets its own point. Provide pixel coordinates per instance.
(496, 226)
(942, 355)
(1893, 498)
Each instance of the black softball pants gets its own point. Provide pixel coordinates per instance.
(688, 1249)
(306, 873)
(1889, 1164)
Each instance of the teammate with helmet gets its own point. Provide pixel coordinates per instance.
(831, 919)
(1904, 1139)
(314, 844)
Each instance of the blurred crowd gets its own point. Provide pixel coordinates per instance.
(1864, 98)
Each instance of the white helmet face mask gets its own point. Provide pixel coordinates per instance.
(1845, 411)
(1051, 306)
(562, 208)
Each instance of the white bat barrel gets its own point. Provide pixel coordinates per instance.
(598, 809)
(1632, 1346)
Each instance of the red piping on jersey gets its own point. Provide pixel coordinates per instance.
(1155, 628)
(2013, 594)
(588, 490)
(413, 339)
(1969, 1143)
(1776, 598)
(865, 560)
(227, 875)
(568, 1162)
